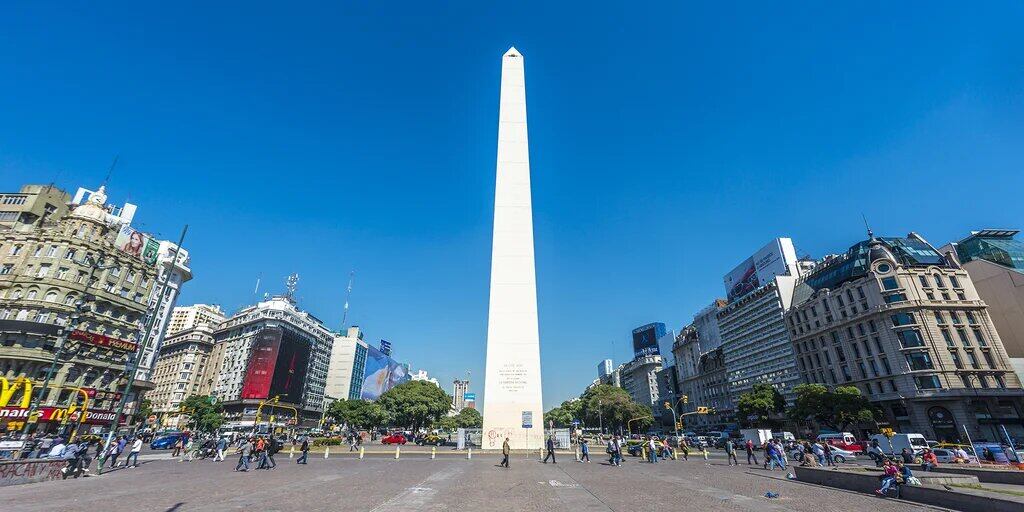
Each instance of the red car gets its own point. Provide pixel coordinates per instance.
(394, 439)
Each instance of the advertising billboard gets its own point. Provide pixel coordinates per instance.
(277, 366)
(381, 374)
(778, 258)
(645, 339)
(137, 244)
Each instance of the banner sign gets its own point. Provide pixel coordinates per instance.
(469, 397)
(96, 394)
(104, 341)
(137, 244)
(92, 417)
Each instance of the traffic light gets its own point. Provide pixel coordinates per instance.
(686, 399)
(711, 410)
(668, 405)
(679, 425)
(702, 410)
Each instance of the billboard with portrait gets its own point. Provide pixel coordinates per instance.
(277, 366)
(381, 374)
(137, 244)
(778, 258)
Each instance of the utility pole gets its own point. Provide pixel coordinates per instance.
(133, 362)
(348, 295)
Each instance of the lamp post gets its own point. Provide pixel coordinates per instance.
(81, 306)
(600, 421)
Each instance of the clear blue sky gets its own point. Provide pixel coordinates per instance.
(667, 144)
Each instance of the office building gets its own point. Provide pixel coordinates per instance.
(343, 360)
(995, 261)
(905, 325)
(755, 342)
(639, 378)
(459, 389)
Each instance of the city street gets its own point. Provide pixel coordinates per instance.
(447, 483)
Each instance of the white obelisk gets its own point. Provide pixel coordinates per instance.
(512, 391)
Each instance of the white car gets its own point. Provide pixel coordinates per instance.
(839, 455)
(947, 456)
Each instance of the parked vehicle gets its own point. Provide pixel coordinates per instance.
(839, 455)
(758, 436)
(166, 442)
(844, 440)
(784, 436)
(395, 438)
(432, 439)
(915, 442)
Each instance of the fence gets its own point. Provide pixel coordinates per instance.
(519, 439)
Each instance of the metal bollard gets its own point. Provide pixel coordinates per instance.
(360, 453)
(398, 451)
(433, 453)
(577, 453)
(291, 453)
(469, 454)
(705, 454)
(327, 451)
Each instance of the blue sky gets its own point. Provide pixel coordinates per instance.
(668, 142)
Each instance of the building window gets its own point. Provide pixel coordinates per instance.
(966, 379)
(927, 382)
(938, 281)
(988, 359)
(939, 319)
(892, 386)
(954, 281)
(948, 337)
(874, 368)
(919, 361)
(973, 359)
(890, 283)
(979, 337)
(6, 269)
(885, 364)
(999, 381)
(856, 351)
(924, 281)
(846, 373)
(840, 353)
(895, 297)
(62, 273)
(963, 337)
(955, 354)
(70, 255)
(38, 251)
(901, 318)
(910, 338)
(970, 317)
(871, 326)
(878, 345)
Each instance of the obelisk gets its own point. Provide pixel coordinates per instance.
(512, 391)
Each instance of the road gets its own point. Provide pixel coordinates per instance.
(416, 482)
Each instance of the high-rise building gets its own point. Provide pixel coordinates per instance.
(755, 342)
(459, 389)
(639, 378)
(79, 270)
(698, 362)
(514, 408)
(605, 368)
(273, 349)
(173, 271)
(343, 359)
(905, 325)
(355, 388)
(187, 363)
(187, 317)
(995, 261)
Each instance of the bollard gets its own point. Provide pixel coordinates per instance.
(360, 453)
(540, 454)
(577, 453)
(469, 454)
(398, 451)
(674, 456)
(291, 453)
(327, 451)
(705, 453)
(433, 453)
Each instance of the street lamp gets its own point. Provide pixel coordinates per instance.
(81, 306)
(600, 421)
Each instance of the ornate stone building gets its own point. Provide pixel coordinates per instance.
(905, 325)
(188, 362)
(61, 268)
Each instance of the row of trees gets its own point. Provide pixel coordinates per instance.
(602, 405)
(413, 405)
(837, 408)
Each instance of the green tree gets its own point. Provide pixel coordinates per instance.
(849, 407)
(836, 409)
(142, 412)
(415, 404)
(558, 416)
(448, 424)
(613, 408)
(757, 407)
(203, 414)
(469, 418)
(357, 413)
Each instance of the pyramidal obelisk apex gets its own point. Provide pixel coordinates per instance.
(512, 390)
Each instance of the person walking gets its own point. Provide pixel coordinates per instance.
(827, 448)
(750, 452)
(666, 449)
(134, 452)
(305, 450)
(684, 446)
(730, 451)
(506, 450)
(222, 446)
(617, 451)
(584, 450)
(652, 450)
(780, 454)
(178, 445)
(113, 451)
(819, 453)
(244, 451)
(272, 448)
(550, 444)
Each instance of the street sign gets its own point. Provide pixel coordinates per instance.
(527, 419)
(469, 397)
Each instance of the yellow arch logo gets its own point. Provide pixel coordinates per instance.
(7, 391)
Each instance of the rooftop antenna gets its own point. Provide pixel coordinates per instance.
(256, 291)
(290, 284)
(348, 295)
(866, 226)
(111, 170)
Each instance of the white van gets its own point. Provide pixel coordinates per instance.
(784, 436)
(916, 442)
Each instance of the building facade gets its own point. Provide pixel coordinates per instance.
(25, 209)
(73, 277)
(187, 363)
(905, 325)
(343, 359)
(640, 379)
(273, 349)
(172, 272)
(422, 375)
(459, 389)
(995, 261)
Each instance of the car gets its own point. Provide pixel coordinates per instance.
(165, 442)
(948, 456)
(839, 455)
(433, 439)
(395, 438)
(844, 440)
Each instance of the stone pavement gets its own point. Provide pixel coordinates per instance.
(446, 484)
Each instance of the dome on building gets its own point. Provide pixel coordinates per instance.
(93, 209)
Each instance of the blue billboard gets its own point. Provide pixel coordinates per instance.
(381, 374)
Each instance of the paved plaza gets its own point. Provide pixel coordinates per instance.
(416, 483)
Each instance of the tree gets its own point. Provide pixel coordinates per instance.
(357, 413)
(203, 414)
(557, 416)
(415, 404)
(469, 418)
(448, 424)
(613, 408)
(836, 409)
(757, 407)
(142, 412)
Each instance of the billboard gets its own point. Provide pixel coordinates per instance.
(277, 366)
(381, 374)
(778, 258)
(645, 339)
(137, 244)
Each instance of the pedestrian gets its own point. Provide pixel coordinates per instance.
(584, 450)
(134, 452)
(305, 450)
(617, 451)
(551, 449)
(666, 448)
(222, 446)
(928, 460)
(113, 451)
(273, 446)
(780, 454)
(730, 451)
(652, 450)
(827, 448)
(178, 445)
(243, 460)
(187, 454)
(819, 453)
(750, 452)
(684, 446)
(56, 450)
(506, 450)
